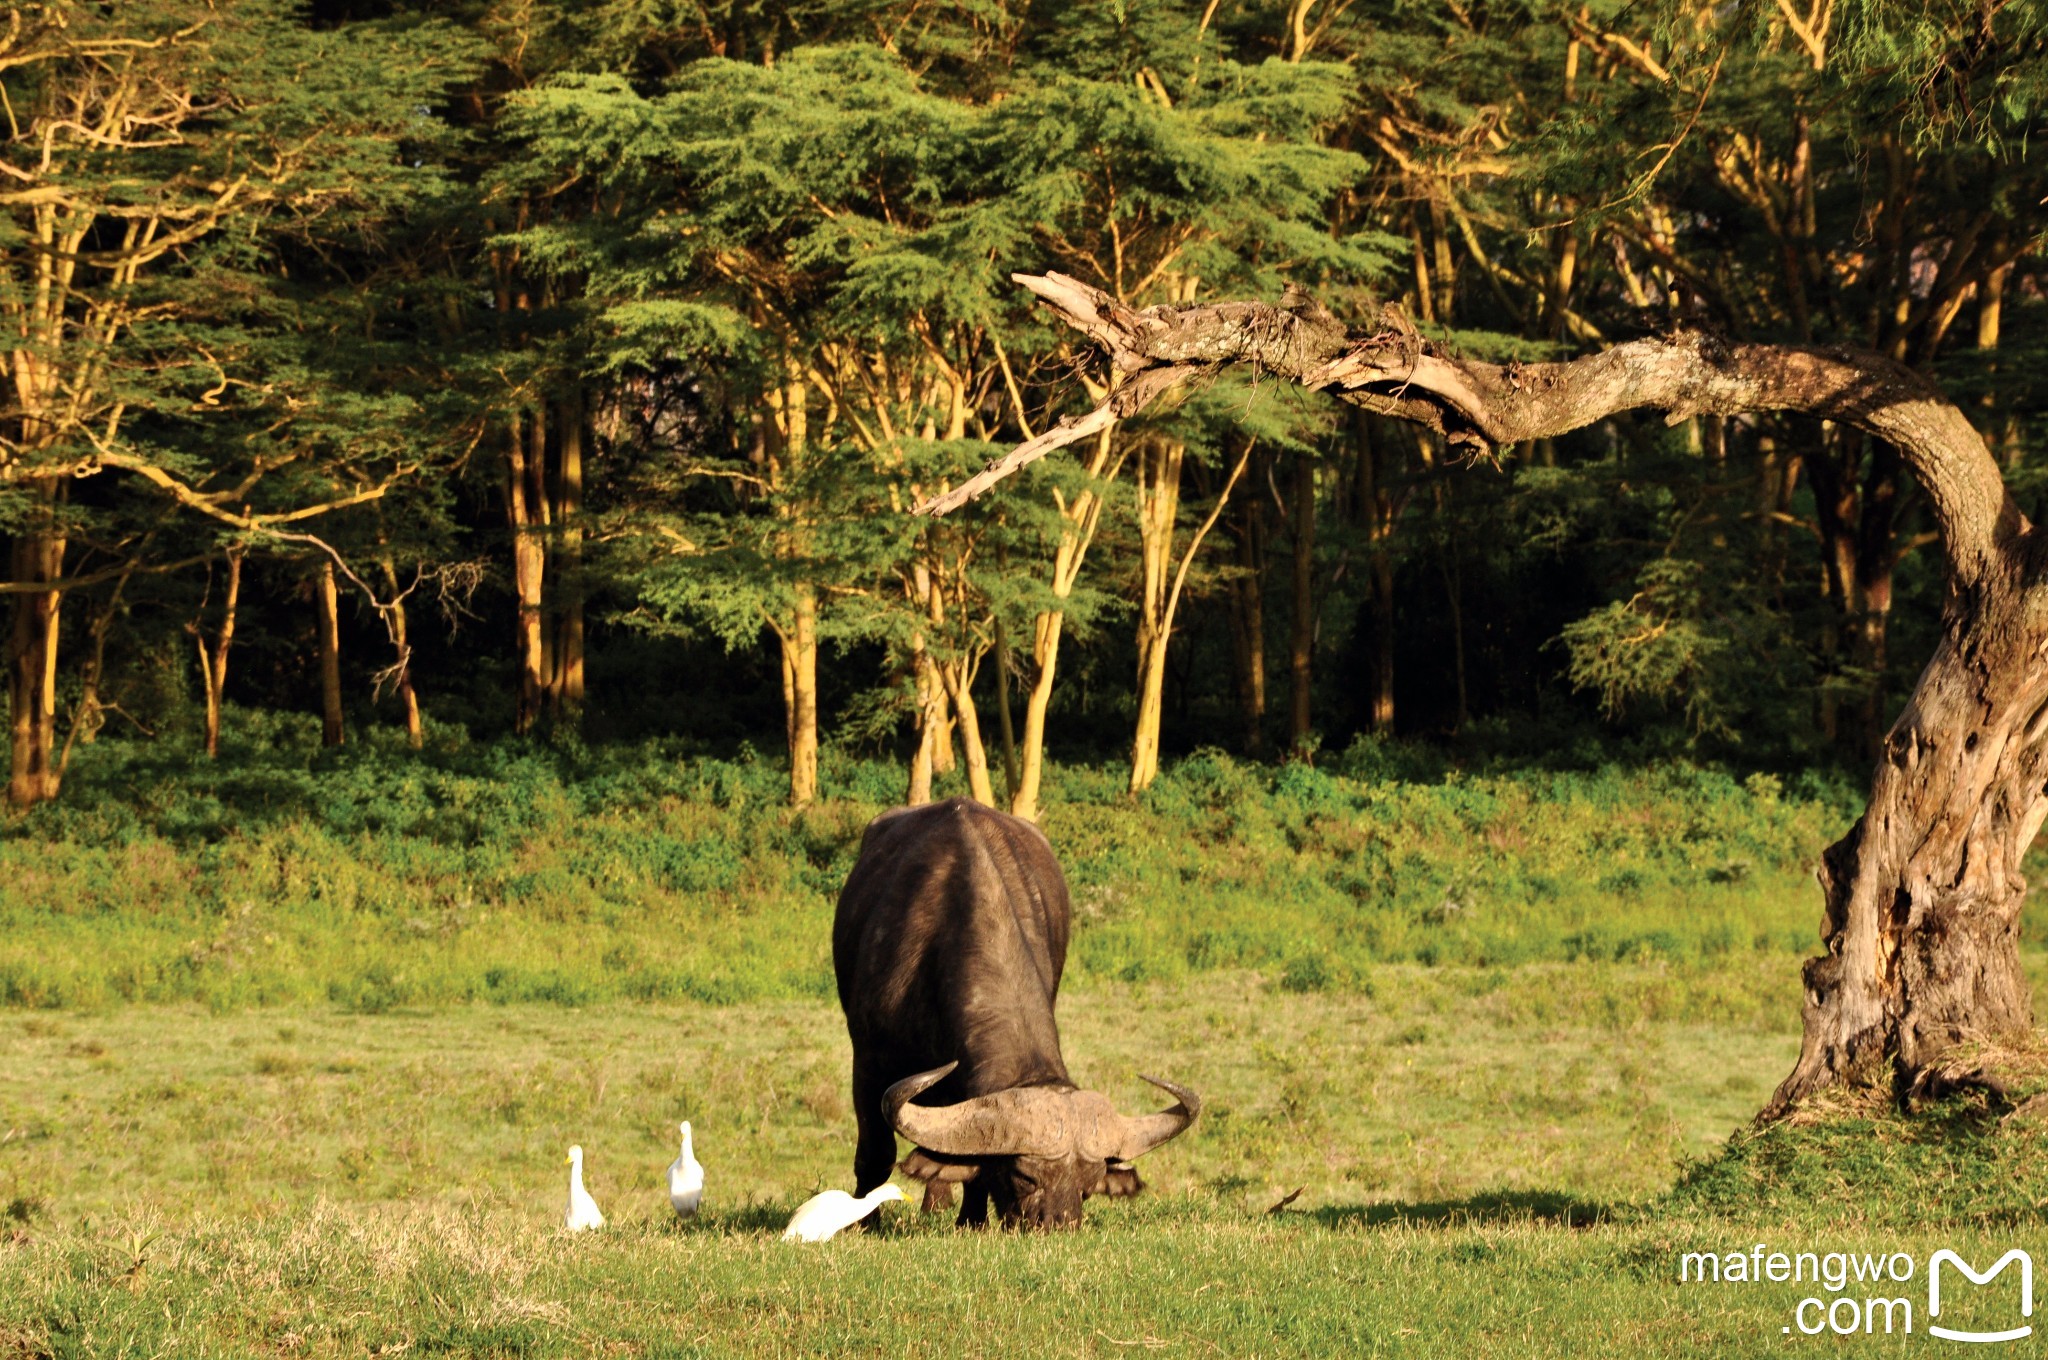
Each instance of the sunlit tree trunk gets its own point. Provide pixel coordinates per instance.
(1161, 595)
(790, 404)
(1156, 486)
(958, 676)
(567, 674)
(800, 693)
(32, 674)
(213, 662)
(529, 564)
(329, 601)
(931, 723)
(399, 623)
(1082, 516)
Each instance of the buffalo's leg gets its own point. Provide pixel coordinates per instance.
(938, 1196)
(874, 1154)
(973, 1206)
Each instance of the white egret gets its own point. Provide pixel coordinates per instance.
(583, 1213)
(686, 1179)
(820, 1217)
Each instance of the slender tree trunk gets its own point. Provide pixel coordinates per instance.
(1301, 649)
(87, 717)
(1002, 648)
(2002, 431)
(528, 567)
(934, 754)
(32, 675)
(1248, 614)
(790, 407)
(1045, 656)
(803, 708)
(401, 644)
(213, 663)
(1153, 648)
(331, 733)
(925, 678)
(1157, 487)
(958, 677)
(568, 692)
(940, 720)
(1082, 516)
(1379, 509)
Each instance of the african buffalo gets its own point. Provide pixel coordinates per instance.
(948, 945)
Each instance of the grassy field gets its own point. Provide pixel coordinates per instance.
(373, 878)
(1484, 1157)
(294, 1046)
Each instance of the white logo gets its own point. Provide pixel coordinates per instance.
(1934, 1293)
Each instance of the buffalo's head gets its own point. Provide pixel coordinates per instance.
(1038, 1150)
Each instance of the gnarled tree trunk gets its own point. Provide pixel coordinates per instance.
(1924, 893)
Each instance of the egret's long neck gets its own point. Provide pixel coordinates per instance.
(576, 1173)
(688, 1155)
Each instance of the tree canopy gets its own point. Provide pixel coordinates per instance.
(575, 368)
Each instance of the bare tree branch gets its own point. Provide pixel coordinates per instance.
(1485, 406)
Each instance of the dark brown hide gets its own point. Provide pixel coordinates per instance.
(948, 946)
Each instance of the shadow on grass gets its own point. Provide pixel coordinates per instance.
(1516, 1206)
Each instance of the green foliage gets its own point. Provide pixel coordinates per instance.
(373, 877)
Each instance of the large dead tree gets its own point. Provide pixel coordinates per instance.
(1923, 894)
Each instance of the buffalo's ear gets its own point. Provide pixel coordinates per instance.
(929, 1167)
(1119, 1180)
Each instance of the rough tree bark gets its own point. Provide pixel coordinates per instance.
(1923, 895)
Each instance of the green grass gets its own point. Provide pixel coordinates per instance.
(375, 877)
(1483, 1156)
(296, 1042)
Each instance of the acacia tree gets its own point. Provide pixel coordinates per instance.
(152, 164)
(1924, 893)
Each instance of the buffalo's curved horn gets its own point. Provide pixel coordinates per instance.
(1136, 1137)
(1025, 1121)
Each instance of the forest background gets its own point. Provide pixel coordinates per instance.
(563, 371)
